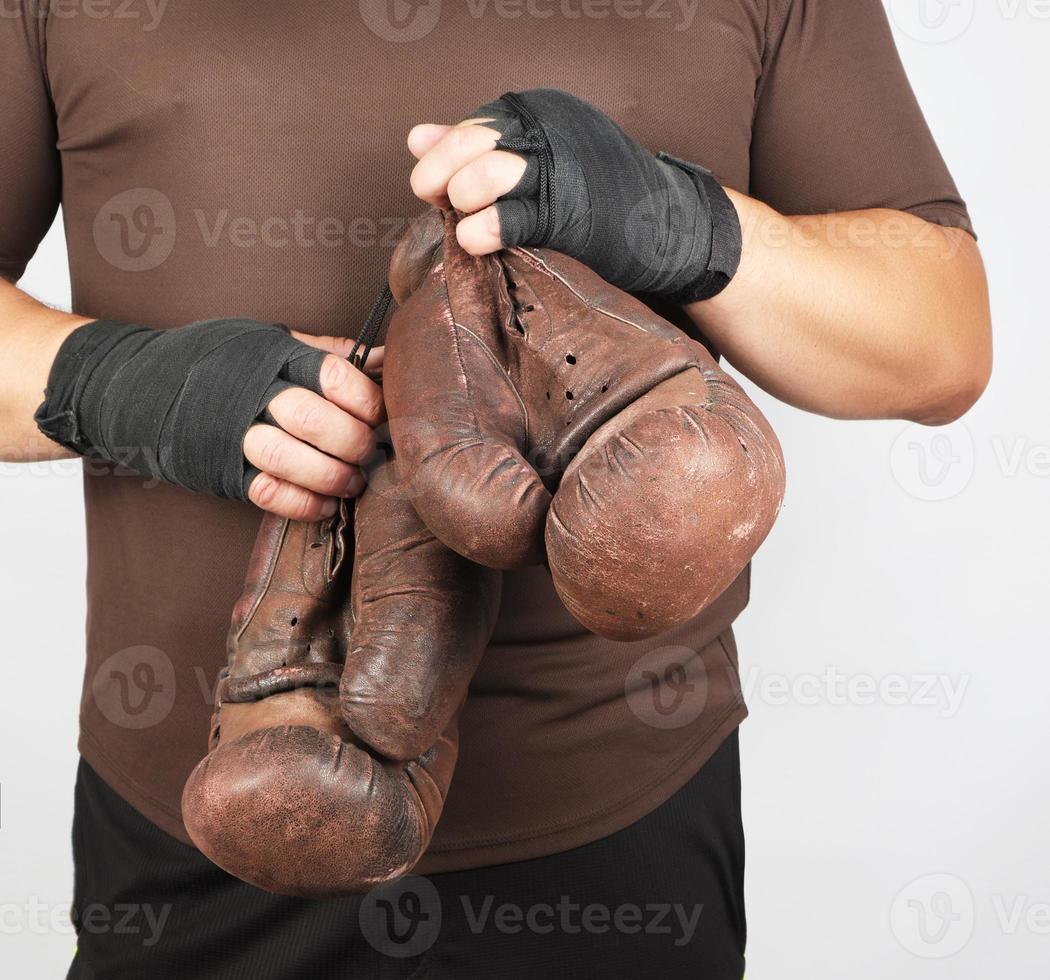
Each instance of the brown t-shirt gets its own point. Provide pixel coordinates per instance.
(247, 159)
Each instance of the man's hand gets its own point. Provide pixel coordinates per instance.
(310, 458)
(866, 314)
(241, 409)
(547, 169)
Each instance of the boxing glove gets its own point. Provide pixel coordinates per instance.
(539, 413)
(297, 796)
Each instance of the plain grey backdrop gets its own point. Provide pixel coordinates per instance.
(896, 652)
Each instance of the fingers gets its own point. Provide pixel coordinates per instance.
(279, 454)
(485, 179)
(341, 347)
(313, 420)
(421, 138)
(479, 234)
(459, 146)
(350, 389)
(287, 500)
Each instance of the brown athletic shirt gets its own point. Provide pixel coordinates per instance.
(247, 158)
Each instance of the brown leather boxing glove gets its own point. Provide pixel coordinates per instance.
(536, 411)
(291, 798)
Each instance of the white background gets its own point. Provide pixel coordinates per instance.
(895, 652)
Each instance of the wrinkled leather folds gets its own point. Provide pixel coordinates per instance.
(312, 790)
(538, 413)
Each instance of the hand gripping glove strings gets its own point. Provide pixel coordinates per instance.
(334, 735)
(652, 225)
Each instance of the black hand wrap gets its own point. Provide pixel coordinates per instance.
(648, 224)
(173, 404)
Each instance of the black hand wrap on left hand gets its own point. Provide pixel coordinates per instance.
(648, 224)
(173, 404)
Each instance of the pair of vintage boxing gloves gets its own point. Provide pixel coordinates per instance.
(537, 414)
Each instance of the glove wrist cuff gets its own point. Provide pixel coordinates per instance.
(726, 238)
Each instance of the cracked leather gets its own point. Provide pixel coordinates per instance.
(540, 414)
(315, 790)
(536, 413)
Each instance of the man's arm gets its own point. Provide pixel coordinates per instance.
(863, 314)
(31, 336)
(306, 461)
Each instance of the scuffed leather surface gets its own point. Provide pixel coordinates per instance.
(306, 792)
(422, 616)
(540, 414)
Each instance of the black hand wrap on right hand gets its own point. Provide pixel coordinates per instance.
(649, 224)
(173, 404)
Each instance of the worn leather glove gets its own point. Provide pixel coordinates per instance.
(537, 412)
(173, 404)
(334, 735)
(649, 224)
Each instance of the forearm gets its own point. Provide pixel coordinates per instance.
(30, 336)
(867, 314)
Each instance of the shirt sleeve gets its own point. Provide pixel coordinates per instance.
(837, 126)
(30, 172)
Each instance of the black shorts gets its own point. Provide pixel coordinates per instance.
(660, 900)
